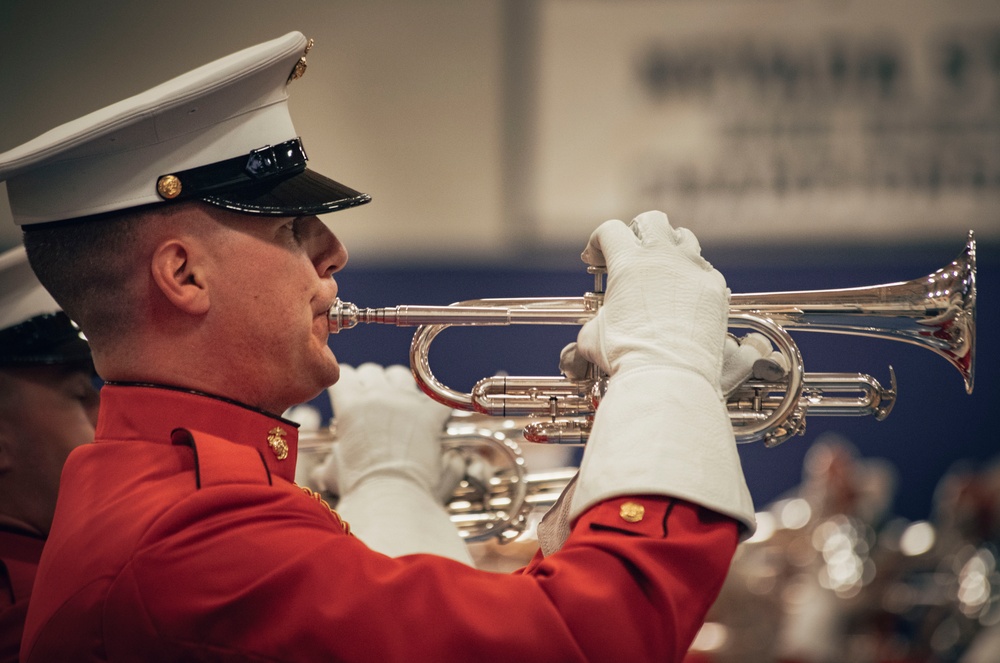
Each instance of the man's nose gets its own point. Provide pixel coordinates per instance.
(328, 252)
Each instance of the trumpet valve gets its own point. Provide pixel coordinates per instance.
(790, 427)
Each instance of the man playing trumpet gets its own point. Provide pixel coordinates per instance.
(179, 228)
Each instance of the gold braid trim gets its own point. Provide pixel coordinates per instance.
(336, 516)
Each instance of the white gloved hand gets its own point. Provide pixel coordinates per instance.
(665, 305)
(455, 468)
(387, 463)
(750, 356)
(772, 367)
(385, 425)
(740, 359)
(662, 426)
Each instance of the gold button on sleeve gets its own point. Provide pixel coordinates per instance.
(632, 512)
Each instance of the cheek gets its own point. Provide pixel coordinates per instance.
(50, 439)
(92, 408)
(289, 291)
(269, 313)
(75, 428)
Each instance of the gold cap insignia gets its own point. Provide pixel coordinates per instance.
(276, 440)
(168, 187)
(300, 67)
(632, 512)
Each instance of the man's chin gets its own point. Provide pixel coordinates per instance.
(331, 367)
(335, 373)
(313, 378)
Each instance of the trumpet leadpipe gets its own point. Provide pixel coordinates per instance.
(493, 312)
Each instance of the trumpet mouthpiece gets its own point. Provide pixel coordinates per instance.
(343, 315)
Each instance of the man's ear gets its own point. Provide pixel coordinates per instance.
(179, 275)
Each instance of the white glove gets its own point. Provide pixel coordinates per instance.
(662, 426)
(665, 305)
(455, 468)
(742, 358)
(387, 463)
(750, 356)
(773, 367)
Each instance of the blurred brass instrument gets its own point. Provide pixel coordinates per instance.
(936, 312)
(481, 507)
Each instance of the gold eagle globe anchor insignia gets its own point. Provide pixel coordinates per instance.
(276, 440)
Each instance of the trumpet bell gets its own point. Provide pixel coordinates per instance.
(936, 312)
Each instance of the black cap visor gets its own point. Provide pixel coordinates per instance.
(269, 181)
(304, 194)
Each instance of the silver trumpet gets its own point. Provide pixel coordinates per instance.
(936, 312)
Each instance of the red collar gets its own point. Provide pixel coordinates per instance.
(150, 413)
(19, 553)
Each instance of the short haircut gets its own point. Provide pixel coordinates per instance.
(88, 266)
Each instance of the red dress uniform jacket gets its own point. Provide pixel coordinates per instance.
(19, 553)
(180, 536)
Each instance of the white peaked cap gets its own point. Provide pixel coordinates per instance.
(22, 297)
(221, 133)
(33, 329)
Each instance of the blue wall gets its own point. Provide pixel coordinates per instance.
(934, 424)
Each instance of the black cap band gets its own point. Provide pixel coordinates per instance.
(51, 338)
(266, 164)
(269, 181)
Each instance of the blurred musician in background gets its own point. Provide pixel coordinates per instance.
(832, 576)
(48, 406)
(179, 228)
